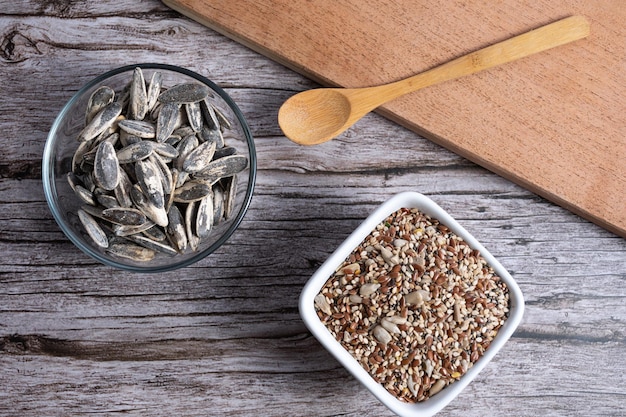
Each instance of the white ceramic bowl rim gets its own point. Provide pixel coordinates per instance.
(319, 330)
(50, 190)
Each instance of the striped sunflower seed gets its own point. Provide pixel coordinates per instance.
(99, 99)
(93, 229)
(185, 93)
(106, 167)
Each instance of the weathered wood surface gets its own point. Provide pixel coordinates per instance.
(224, 337)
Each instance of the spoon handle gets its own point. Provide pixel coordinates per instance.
(543, 38)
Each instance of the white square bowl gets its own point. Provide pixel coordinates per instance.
(307, 309)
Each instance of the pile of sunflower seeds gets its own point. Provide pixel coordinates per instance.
(152, 169)
(414, 305)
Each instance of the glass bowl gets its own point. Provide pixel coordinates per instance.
(62, 143)
(334, 343)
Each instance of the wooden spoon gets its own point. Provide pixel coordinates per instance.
(316, 116)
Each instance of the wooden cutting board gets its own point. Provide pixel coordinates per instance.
(554, 123)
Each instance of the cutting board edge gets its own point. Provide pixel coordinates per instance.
(508, 175)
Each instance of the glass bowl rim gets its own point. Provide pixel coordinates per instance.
(50, 190)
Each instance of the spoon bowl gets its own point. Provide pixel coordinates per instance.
(316, 116)
(322, 114)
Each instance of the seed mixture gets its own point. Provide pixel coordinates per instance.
(152, 168)
(414, 305)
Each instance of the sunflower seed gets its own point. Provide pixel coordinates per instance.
(113, 138)
(155, 111)
(181, 177)
(74, 181)
(212, 122)
(131, 251)
(165, 149)
(135, 152)
(149, 180)
(230, 196)
(223, 167)
(77, 159)
(183, 131)
(138, 106)
(92, 211)
(212, 135)
(107, 201)
(192, 239)
(199, 158)
(99, 99)
(205, 216)
(173, 139)
(164, 173)
(93, 229)
(148, 243)
(155, 233)
(169, 118)
(84, 195)
(218, 204)
(154, 213)
(124, 216)
(185, 93)
(321, 303)
(154, 89)
(122, 191)
(121, 230)
(140, 128)
(382, 335)
(128, 139)
(192, 191)
(194, 116)
(106, 167)
(101, 121)
(390, 326)
(186, 145)
(368, 289)
(224, 151)
(438, 386)
(224, 123)
(175, 229)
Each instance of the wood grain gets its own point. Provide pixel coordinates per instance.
(224, 336)
(554, 123)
